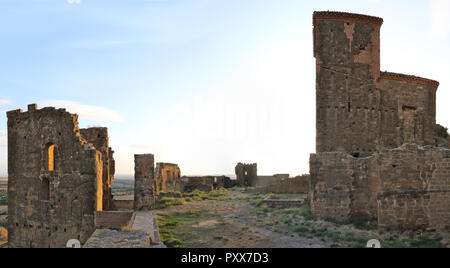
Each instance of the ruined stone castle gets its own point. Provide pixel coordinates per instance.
(376, 156)
(58, 176)
(59, 185)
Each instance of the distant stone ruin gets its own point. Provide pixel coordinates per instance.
(376, 133)
(57, 178)
(98, 137)
(297, 185)
(246, 174)
(168, 177)
(144, 182)
(206, 183)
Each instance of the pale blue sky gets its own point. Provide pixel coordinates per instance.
(202, 83)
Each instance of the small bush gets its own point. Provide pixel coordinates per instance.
(166, 202)
(168, 225)
(3, 198)
(301, 230)
(3, 222)
(442, 132)
(256, 203)
(425, 242)
(262, 210)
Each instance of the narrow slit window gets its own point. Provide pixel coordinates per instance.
(50, 157)
(46, 193)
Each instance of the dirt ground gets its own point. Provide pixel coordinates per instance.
(231, 223)
(241, 223)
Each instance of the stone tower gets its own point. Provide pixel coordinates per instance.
(347, 52)
(361, 110)
(54, 179)
(98, 137)
(246, 174)
(144, 182)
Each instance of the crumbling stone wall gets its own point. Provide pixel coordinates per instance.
(224, 182)
(359, 109)
(415, 188)
(206, 183)
(246, 174)
(145, 185)
(346, 48)
(408, 110)
(168, 177)
(342, 188)
(98, 137)
(297, 185)
(362, 114)
(403, 188)
(54, 179)
(263, 181)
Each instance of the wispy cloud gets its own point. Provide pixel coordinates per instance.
(86, 112)
(439, 18)
(4, 101)
(73, 1)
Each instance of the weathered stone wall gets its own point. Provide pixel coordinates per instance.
(403, 188)
(283, 204)
(408, 110)
(342, 187)
(206, 183)
(297, 185)
(98, 137)
(246, 174)
(346, 48)
(168, 177)
(145, 183)
(54, 179)
(225, 182)
(359, 109)
(415, 188)
(262, 181)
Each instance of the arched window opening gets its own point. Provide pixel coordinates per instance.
(50, 153)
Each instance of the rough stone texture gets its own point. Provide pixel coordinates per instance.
(206, 183)
(168, 178)
(98, 137)
(116, 220)
(408, 112)
(142, 234)
(263, 181)
(359, 109)
(403, 188)
(297, 185)
(146, 222)
(124, 203)
(415, 188)
(246, 174)
(145, 183)
(283, 203)
(362, 114)
(224, 182)
(341, 188)
(54, 179)
(107, 238)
